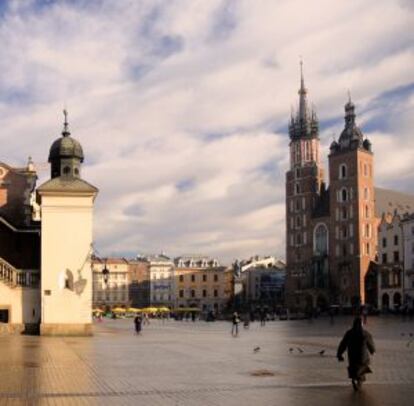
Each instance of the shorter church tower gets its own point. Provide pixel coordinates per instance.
(66, 204)
(352, 202)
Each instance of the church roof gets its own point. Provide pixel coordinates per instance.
(391, 201)
(67, 185)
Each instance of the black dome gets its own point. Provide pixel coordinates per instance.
(66, 147)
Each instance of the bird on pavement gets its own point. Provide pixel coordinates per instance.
(321, 352)
(257, 349)
(290, 350)
(299, 349)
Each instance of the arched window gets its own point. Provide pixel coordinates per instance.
(344, 213)
(366, 211)
(297, 188)
(342, 171)
(344, 195)
(366, 193)
(66, 170)
(298, 221)
(321, 239)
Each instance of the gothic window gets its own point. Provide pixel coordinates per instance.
(298, 221)
(344, 213)
(368, 249)
(366, 211)
(297, 188)
(298, 238)
(297, 205)
(321, 239)
(366, 193)
(367, 230)
(66, 170)
(344, 250)
(344, 232)
(395, 239)
(297, 172)
(344, 195)
(342, 171)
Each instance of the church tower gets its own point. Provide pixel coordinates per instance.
(353, 225)
(304, 181)
(66, 204)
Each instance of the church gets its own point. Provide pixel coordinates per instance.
(46, 245)
(331, 229)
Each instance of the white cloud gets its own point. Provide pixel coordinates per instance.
(164, 93)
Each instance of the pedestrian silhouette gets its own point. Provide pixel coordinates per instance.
(359, 344)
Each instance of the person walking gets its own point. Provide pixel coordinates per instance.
(359, 344)
(263, 315)
(235, 326)
(138, 324)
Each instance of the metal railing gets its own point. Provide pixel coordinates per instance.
(18, 277)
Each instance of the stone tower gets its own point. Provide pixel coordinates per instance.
(66, 203)
(304, 181)
(353, 224)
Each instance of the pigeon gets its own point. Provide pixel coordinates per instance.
(257, 349)
(322, 352)
(411, 334)
(299, 349)
(290, 349)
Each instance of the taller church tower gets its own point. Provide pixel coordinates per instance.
(304, 184)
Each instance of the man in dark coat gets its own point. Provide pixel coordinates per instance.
(138, 324)
(359, 344)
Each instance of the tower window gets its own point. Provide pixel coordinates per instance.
(297, 188)
(297, 172)
(366, 212)
(344, 213)
(342, 171)
(395, 239)
(344, 195)
(66, 170)
(76, 171)
(366, 193)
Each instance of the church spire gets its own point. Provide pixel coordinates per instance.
(303, 107)
(305, 124)
(65, 131)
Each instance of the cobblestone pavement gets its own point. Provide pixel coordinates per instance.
(185, 363)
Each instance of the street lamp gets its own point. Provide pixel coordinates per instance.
(105, 274)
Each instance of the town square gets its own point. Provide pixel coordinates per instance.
(206, 202)
(189, 363)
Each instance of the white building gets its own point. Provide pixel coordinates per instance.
(408, 242)
(390, 262)
(161, 271)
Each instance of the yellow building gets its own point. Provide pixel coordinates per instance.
(201, 282)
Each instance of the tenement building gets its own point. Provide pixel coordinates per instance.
(202, 283)
(331, 231)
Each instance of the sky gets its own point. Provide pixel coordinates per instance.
(182, 107)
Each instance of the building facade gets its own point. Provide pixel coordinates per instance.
(161, 273)
(139, 283)
(390, 271)
(111, 290)
(202, 283)
(408, 245)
